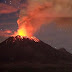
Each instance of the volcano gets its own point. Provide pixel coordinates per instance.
(26, 49)
(22, 49)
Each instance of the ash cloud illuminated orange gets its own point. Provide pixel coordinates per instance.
(6, 9)
(5, 33)
(40, 12)
(30, 20)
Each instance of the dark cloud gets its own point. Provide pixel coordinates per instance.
(4, 9)
(16, 5)
(1, 1)
(5, 33)
(11, 16)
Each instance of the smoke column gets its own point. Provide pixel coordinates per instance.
(32, 18)
(38, 12)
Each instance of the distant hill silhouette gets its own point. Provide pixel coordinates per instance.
(16, 49)
(65, 51)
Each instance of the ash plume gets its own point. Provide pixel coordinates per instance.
(31, 19)
(34, 13)
(38, 12)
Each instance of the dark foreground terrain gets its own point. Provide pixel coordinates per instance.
(24, 55)
(28, 67)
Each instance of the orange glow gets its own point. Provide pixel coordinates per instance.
(25, 29)
(25, 37)
(30, 23)
(22, 32)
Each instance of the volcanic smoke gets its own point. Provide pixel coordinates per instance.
(34, 13)
(29, 24)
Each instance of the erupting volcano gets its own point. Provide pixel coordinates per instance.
(25, 29)
(28, 24)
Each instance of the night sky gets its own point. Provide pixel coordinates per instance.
(56, 31)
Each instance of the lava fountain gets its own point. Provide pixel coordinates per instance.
(25, 29)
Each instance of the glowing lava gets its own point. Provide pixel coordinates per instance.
(25, 37)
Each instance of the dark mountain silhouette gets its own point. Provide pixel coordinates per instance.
(16, 49)
(24, 55)
(65, 51)
(62, 49)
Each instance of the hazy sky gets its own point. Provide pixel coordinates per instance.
(56, 30)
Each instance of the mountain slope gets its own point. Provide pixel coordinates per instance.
(16, 49)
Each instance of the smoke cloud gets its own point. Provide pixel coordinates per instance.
(5, 33)
(31, 18)
(38, 12)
